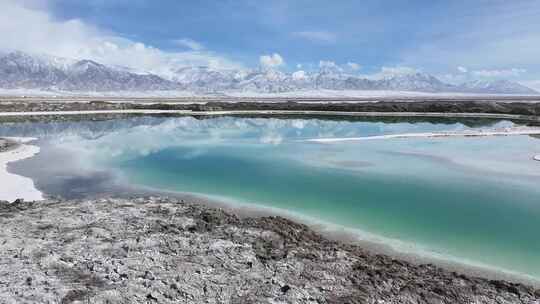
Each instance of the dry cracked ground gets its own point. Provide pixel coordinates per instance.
(159, 250)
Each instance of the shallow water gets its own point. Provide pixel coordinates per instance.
(469, 199)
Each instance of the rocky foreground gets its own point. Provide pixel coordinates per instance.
(6, 145)
(157, 250)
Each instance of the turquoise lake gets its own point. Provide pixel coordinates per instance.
(475, 200)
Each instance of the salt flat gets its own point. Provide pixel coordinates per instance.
(15, 186)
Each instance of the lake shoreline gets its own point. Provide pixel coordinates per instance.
(516, 108)
(369, 242)
(468, 133)
(344, 238)
(271, 113)
(16, 186)
(277, 258)
(380, 246)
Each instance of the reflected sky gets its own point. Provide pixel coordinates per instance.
(473, 199)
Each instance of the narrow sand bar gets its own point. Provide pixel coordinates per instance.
(13, 186)
(274, 112)
(471, 133)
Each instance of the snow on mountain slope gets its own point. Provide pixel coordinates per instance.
(414, 82)
(20, 70)
(23, 71)
(499, 86)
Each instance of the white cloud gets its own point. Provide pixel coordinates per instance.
(513, 72)
(316, 36)
(467, 75)
(189, 43)
(395, 71)
(272, 138)
(471, 41)
(299, 75)
(514, 51)
(271, 61)
(349, 66)
(28, 26)
(453, 78)
(299, 66)
(327, 64)
(391, 71)
(353, 66)
(398, 70)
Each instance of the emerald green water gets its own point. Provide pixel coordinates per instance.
(475, 200)
(468, 217)
(470, 199)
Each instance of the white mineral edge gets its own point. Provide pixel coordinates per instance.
(15, 186)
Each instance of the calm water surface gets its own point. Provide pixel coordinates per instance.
(469, 199)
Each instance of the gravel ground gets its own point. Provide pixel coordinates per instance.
(160, 250)
(6, 145)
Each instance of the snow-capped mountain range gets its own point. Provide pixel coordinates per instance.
(20, 70)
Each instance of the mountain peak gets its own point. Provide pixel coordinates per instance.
(501, 86)
(22, 70)
(87, 62)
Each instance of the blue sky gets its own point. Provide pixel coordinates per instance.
(300, 31)
(454, 40)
